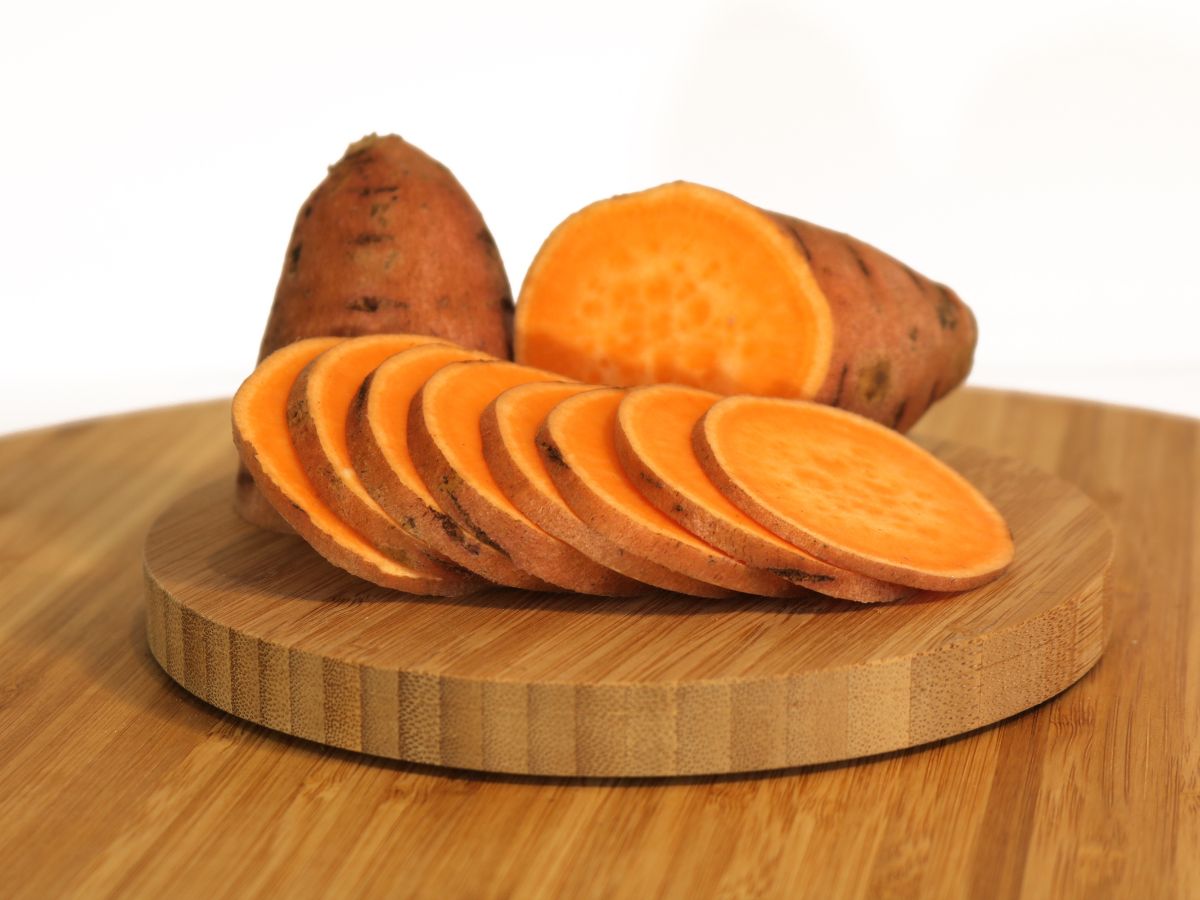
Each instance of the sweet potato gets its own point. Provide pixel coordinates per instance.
(389, 242)
(447, 450)
(654, 443)
(578, 445)
(852, 493)
(509, 429)
(377, 438)
(687, 284)
(260, 431)
(318, 406)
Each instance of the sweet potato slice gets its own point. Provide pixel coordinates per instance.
(654, 444)
(578, 444)
(687, 284)
(318, 406)
(853, 493)
(260, 431)
(377, 438)
(447, 449)
(509, 429)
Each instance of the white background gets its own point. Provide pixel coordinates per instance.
(1041, 157)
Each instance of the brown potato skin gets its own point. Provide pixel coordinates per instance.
(901, 341)
(388, 242)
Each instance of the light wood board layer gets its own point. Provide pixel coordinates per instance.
(513, 681)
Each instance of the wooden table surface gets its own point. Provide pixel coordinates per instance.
(114, 781)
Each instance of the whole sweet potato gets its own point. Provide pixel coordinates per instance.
(389, 242)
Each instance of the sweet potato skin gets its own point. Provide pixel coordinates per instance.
(901, 341)
(391, 242)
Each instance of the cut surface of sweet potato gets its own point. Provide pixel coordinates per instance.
(578, 444)
(377, 439)
(264, 442)
(853, 493)
(687, 284)
(318, 407)
(447, 449)
(509, 428)
(654, 442)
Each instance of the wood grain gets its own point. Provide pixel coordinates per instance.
(520, 682)
(115, 782)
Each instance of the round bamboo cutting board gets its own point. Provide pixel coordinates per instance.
(257, 624)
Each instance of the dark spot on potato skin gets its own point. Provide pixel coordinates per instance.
(800, 241)
(485, 237)
(874, 381)
(369, 238)
(651, 480)
(947, 309)
(837, 395)
(913, 334)
(678, 507)
(296, 255)
(862, 263)
(899, 413)
(482, 536)
(308, 210)
(800, 576)
(370, 304)
(553, 453)
(360, 396)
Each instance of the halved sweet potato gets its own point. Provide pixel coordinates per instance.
(577, 442)
(853, 493)
(377, 438)
(687, 284)
(447, 450)
(260, 430)
(318, 406)
(509, 429)
(654, 443)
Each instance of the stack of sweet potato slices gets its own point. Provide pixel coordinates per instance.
(430, 469)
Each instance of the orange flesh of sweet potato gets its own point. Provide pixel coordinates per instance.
(318, 407)
(509, 428)
(377, 438)
(261, 433)
(853, 493)
(689, 285)
(578, 444)
(654, 442)
(447, 448)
